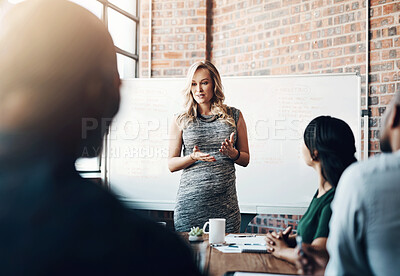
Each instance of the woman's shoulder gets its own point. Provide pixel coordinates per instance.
(326, 198)
(185, 121)
(232, 109)
(233, 112)
(181, 118)
(330, 194)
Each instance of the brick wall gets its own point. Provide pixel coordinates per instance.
(264, 223)
(178, 36)
(274, 37)
(288, 37)
(384, 62)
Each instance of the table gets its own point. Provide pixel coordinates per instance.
(218, 263)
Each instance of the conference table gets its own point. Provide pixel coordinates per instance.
(217, 263)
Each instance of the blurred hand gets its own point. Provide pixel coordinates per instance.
(286, 233)
(312, 261)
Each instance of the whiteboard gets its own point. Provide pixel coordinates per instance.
(276, 110)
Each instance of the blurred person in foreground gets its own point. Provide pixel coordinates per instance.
(365, 224)
(58, 67)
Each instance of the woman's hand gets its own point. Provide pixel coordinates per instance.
(200, 156)
(227, 147)
(285, 236)
(177, 162)
(277, 244)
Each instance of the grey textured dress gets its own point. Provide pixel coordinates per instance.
(208, 189)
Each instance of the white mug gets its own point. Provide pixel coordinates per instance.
(217, 230)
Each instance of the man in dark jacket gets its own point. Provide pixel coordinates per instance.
(57, 68)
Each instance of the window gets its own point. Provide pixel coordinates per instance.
(122, 21)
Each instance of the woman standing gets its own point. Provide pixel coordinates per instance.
(213, 137)
(329, 148)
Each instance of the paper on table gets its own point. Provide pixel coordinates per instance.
(243, 249)
(232, 238)
(227, 249)
(243, 243)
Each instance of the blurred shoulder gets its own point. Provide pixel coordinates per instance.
(364, 175)
(138, 236)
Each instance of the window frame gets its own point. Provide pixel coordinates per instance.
(135, 56)
(135, 18)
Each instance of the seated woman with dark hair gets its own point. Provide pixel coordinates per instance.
(329, 148)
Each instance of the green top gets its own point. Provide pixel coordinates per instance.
(315, 222)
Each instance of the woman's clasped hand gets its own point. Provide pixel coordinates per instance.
(279, 242)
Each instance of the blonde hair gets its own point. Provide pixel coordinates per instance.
(218, 108)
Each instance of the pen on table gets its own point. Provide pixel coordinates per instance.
(217, 244)
(244, 236)
(237, 246)
(221, 244)
(299, 241)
